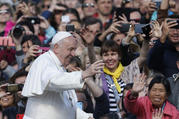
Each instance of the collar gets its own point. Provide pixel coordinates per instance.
(166, 110)
(55, 58)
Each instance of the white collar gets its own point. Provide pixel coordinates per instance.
(55, 58)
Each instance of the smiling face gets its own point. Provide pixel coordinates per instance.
(174, 35)
(111, 60)
(66, 50)
(6, 100)
(4, 14)
(111, 55)
(158, 94)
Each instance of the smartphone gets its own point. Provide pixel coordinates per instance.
(70, 27)
(79, 104)
(42, 50)
(146, 29)
(125, 28)
(13, 87)
(65, 19)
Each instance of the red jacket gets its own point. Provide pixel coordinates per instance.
(142, 108)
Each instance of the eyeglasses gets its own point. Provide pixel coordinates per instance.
(4, 11)
(45, 6)
(136, 20)
(88, 5)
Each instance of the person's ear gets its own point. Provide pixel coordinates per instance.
(56, 49)
(177, 64)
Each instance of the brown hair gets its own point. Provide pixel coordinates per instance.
(111, 45)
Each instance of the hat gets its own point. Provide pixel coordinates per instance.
(60, 36)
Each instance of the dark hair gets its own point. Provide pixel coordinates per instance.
(112, 115)
(76, 60)
(19, 73)
(110, 45)
(82, 1)
(90, 21)
(55, 12)
(10, 9)
(72, 11)
(28, 24)
(35, 40)
(162, 80)
(128, 86)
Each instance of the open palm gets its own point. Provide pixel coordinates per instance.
(139, 83)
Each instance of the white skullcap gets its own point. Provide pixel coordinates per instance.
(60, 36)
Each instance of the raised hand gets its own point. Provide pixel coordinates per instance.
(157, 30)
(23, 7)
(93, 69)
(166, 25)
(123, 19)
(157, 114)
(87, 35)
(151, 8)
(113, 27)
(33, 50)
(44, 23)
(139, 83)
(131, 32)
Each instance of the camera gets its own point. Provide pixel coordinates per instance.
(125, 1)
(70, 27)
(42, 50)
(18, 31)
(33, 20)
(146, 29)
(13, 87)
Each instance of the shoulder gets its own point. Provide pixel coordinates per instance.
(171, 110)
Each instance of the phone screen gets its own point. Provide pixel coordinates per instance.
(65, 19)
(79, 104)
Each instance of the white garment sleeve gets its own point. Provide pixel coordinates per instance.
(66, 81)
(44, 75)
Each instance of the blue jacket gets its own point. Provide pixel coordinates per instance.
(162, 58)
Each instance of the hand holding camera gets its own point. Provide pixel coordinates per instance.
(87, 36)
(12, 87)
(32, 52)
(166, 26)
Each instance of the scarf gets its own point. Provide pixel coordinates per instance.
(115, 75)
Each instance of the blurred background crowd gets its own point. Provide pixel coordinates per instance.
(138, 40)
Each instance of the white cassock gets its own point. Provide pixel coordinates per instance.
(49, 89)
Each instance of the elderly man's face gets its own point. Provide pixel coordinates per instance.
(66, 50)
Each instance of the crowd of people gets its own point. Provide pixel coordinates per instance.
(89, 59)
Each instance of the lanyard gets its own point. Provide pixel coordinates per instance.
(163, 106)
